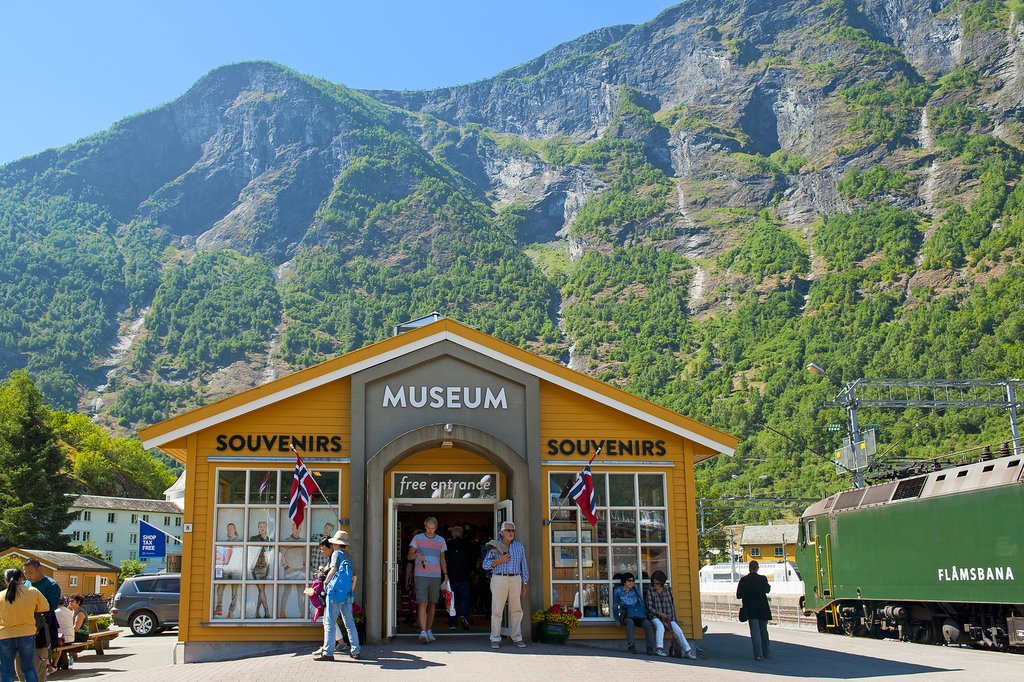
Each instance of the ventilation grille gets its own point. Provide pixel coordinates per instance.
(878, 493)
(909, 488)
(849, 499)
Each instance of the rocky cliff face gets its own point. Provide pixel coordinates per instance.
(674, 134)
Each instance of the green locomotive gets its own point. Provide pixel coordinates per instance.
(933, 558)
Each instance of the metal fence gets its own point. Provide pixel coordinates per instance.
(784, 614)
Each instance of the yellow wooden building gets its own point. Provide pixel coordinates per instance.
(440, 420)
(75, 573)
(776, 542)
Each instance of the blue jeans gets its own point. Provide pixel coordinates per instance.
(25, 649)
(460, 594)
(331, 623)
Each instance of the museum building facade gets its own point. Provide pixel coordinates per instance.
(440, 420)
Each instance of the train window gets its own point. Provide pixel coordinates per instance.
(810, 530)
(961, 474)
(989, 468)
(1012, 464)
(941, 477)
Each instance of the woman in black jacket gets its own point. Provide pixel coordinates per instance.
(753, 589)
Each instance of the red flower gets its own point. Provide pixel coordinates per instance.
(577, 613)
(556, 609)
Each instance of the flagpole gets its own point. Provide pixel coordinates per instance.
(561, 500)
(160, 530)
(311, 474)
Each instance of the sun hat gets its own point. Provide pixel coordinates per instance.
(340, 538)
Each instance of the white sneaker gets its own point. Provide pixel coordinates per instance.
(430, 636)
(423, 637)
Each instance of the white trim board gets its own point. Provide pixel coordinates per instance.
(413, 346)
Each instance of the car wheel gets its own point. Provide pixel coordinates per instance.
(143, 623)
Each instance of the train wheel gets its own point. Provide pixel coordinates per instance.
(821, 623)
(924, 633)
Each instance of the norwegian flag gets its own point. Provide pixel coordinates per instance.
(583, 492)
(265, 484)
(303, 487)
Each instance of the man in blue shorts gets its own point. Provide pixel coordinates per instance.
(426, 551)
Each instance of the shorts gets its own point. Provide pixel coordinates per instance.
(428, 589)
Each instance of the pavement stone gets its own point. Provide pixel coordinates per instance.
(726, 655)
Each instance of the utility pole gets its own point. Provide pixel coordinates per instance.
(700, 502)
(934, 394)
(732, 552)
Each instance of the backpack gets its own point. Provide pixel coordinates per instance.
(340, 587)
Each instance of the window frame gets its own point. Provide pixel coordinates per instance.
(277, 509)
(606, 546)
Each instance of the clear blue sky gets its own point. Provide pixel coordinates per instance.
(72, 68)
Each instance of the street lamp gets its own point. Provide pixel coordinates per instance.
(816, 369)
(750, 485)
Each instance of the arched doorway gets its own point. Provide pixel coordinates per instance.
(512, 467)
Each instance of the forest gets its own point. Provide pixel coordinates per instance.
(663, 249)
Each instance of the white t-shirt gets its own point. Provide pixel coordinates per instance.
(65, 623)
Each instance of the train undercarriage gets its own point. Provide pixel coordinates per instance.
(987, 626)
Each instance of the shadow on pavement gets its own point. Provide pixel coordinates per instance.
(733, 652)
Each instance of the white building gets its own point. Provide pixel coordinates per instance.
(113, 524)
(176, 493)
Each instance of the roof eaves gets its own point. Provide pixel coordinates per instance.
(450, 330)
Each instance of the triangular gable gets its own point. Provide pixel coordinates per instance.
(25, 556)
(176, 428)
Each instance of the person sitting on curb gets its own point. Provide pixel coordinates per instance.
(662, 610)
(629, 610)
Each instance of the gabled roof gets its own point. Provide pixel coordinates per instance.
(66, 561)
(769, 535)
(125, 504)
(168, 434)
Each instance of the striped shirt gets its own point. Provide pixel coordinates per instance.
(430, 549)
(659, 603)
(514, 566)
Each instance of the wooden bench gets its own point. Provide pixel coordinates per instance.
(61, 654)
(97, 640)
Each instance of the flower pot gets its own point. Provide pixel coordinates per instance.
(552, 633)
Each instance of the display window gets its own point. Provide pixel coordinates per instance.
(631, 536)
(262, 560)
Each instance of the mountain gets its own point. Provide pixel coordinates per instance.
(693, 208)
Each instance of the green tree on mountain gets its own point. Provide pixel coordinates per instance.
(33, 507)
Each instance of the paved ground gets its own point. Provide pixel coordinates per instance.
(727, 656)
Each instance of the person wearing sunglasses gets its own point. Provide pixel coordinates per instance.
(506, 559)
(630, 611)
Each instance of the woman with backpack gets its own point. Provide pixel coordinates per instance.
(19, 604)
(340, 586)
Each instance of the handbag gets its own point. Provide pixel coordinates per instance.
(743, 614)
(261, 569)
(675, 650)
